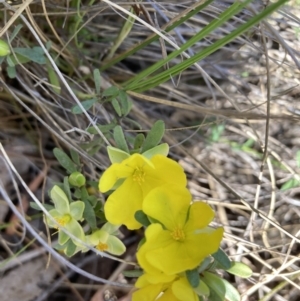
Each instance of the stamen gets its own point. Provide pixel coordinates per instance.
(139, 175)
(102, 246)
(178, 234)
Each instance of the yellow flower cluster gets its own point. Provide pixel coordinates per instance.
(179, 237)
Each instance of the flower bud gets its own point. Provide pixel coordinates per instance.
(77, 179)
(4, 48)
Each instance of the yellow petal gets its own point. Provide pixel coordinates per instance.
(200, 215)
(183, 290)
(115, 172)
(122, 204)
(142, 281)
(169, 170)
(208, 242)
(169, 205)
(151, 234)
(147, 293)
(163, 253)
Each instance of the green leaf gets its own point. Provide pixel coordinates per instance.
(111, 91)
(162, 149)
(97, 80)
(240, 269)
(64, 160)
(103, 128)
(193, 277)
(120, 139)
(116, 106)
(223, 289)
(290, 184)
(87, 104)
(213, 296)
(35, 54)
(154, 136)
(48, 45)
(139, 140)
(217, 132)
(202, 289)
(75, 156)
(77, 193)
(37, 207)
(53, 78)
(93, 200)
(133, 273)
(10, 61)
(89, 214)
(66, 189)
(142, 218)
(11, 71)
(70, 248)
(205, 264)
(126, 104)
(222, 259)
(19, 59)
(15, 32)
(116, 155)
(4, 48)
(298, 159)
(133, 122)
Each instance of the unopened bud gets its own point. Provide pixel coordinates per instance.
(4, 48)
(77, 179)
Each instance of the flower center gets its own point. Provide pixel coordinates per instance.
(138, 175)
(102, 246)
(178, 234)
(62, 221)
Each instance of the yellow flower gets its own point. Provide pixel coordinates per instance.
(181, 238)
(177, 290)
(66, 216)
(135, 177)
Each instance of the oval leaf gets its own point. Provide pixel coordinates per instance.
(116, 106)
(193, 277)
(126, 104)
(138, 142)
(222, 259)
(89, 214)
(87, 104)
(97, 80)
(120, 139)
(116, 155)
(154, 136)
(35, 54)
(162, 149)
(240, 269)
(202, 289)
(223, 289)
(142, 218)
(64, 160)
(111, 91)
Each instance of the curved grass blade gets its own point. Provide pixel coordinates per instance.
(166, 28)
(162, 77)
